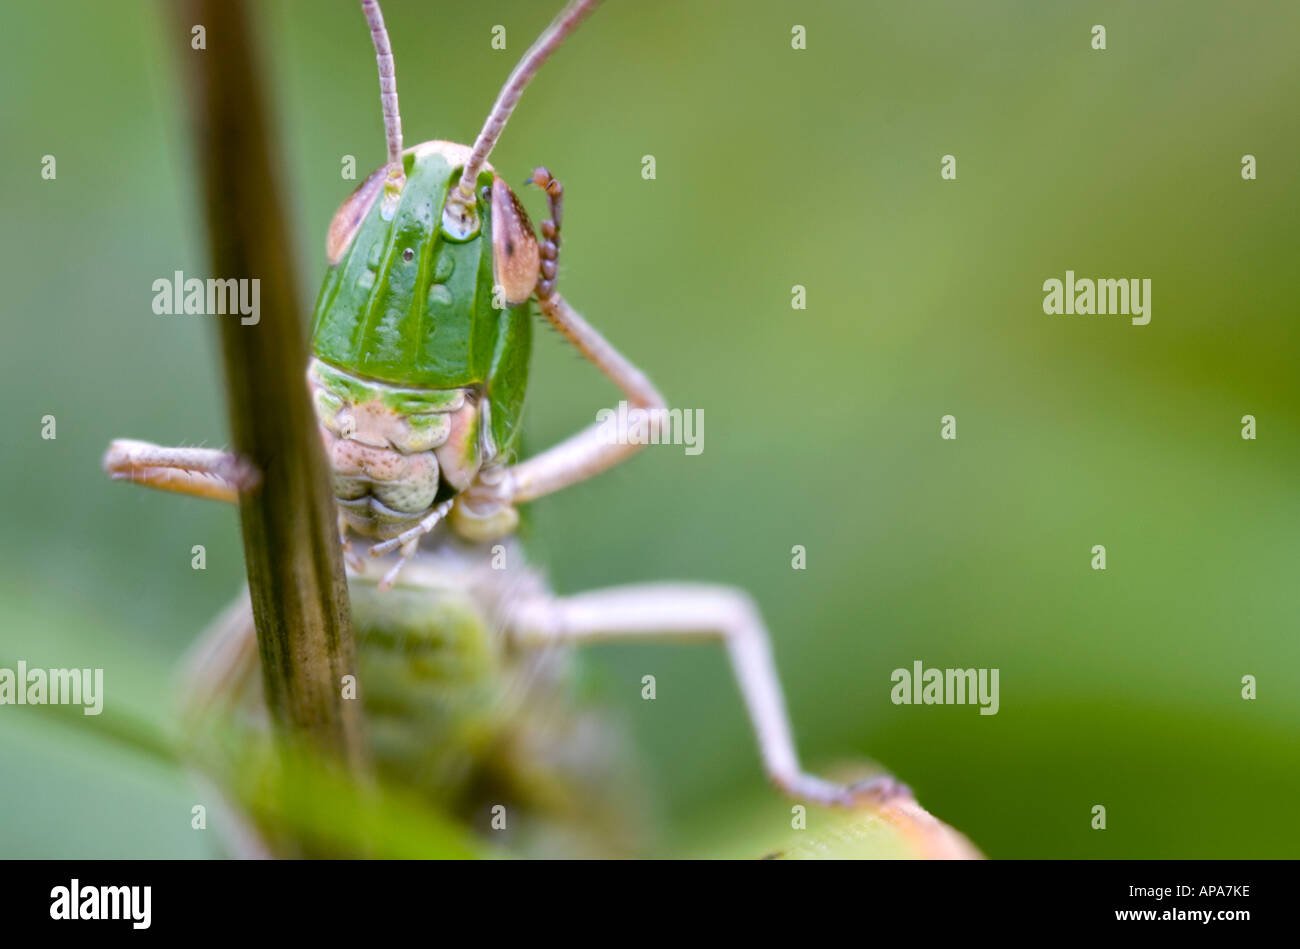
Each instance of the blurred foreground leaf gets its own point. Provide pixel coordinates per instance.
(316, 808)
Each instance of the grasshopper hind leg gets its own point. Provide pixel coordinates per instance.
(693, 612)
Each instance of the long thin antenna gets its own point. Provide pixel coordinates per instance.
(387, 91)
(538, 53)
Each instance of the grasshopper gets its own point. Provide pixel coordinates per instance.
(420, 351)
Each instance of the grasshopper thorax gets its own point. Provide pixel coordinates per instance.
(421, 337)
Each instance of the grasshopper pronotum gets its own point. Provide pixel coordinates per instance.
(420, 354)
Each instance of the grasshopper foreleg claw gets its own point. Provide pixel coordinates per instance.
(549, 248)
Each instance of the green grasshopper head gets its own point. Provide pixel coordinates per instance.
(422, 330)
(412, 300)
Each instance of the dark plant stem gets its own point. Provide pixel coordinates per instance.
(295, 568)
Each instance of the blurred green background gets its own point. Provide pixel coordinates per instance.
(774, 168)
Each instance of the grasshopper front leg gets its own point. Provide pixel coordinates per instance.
(690, 612)
(590, 451)
(581, 456)
(199, 472)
